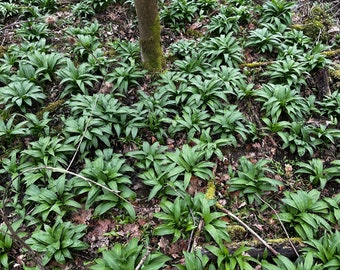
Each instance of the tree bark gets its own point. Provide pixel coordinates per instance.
(149, 34)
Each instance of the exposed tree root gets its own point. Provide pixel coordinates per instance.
(258, 251)
(266, 63)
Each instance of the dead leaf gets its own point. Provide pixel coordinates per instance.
(195, 186)
(163, 243)
(132, 230)
(259, 227)
(176, 249)
(103, 226)
(106, 88)
(288, 170)
(243, 204)
(82, 216)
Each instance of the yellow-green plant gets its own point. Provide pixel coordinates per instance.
(305, 212)
(6, 244)
(315, 170)
(57, 242)
(109, 170)
(229, 123)
(299, 139)
(191, 121)
(76, 78)
(57, 198)
(194, 260)
(128, 257)
(224, 49)
(237, 259)
(280, 9)
(251, 179)
(326, 250)
(190, 162)
(176, 218)
(21, 95)
(305, 262)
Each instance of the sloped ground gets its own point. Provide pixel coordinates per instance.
(217, 132)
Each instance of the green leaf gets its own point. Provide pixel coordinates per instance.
(66, 243)
(103, 207)
(110, 260)
(335, 262)
(337, 214)
(163, 230)
(300, 201)
(4, 260)
(304, 230)
(154, 191)
(175, 172)
(130, 209)
(286, 262)
(214, 250)
(267, 266)
(66, 253)
(187, 178)
(155, 261)
(309, 261)
(213, 233)
(59, 257)
(308, 218)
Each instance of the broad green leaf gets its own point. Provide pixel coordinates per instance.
(155, 261)
(163, 230)
(109, 258)
(213, 233)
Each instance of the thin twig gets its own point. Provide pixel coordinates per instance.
(192, 232)
(272, 250)
(8, 224)
(12, 24)
(283, 227)
(140, 264)
(196, 235)
(61, 170)
(82, 137)
(15, 237)
(13, 233)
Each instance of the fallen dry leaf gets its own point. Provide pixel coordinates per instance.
(82, 216)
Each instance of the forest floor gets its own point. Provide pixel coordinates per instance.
(251, 139)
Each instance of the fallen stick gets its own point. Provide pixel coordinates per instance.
(271, 249)
(210, 194)
(283, 227)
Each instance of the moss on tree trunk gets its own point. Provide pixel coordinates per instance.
(150, 34)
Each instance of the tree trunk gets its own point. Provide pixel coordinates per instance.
(149, 34)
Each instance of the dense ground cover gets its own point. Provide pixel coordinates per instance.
(106, 166)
